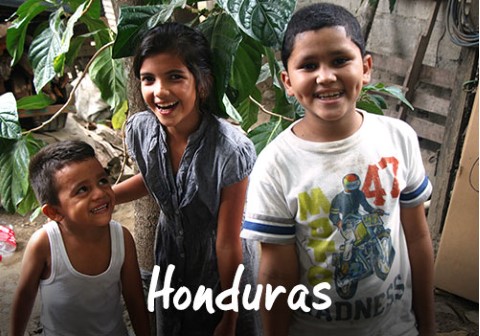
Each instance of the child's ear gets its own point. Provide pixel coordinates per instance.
(367, 68)
(51, 212)
(286, 82)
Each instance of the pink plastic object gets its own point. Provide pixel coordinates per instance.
(8, 243)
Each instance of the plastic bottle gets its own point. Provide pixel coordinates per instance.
(8, 242)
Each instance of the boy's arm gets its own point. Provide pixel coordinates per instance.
(278, 267)
(420, 252)
(229, 245)
(129, 190)
(132, 288)
(34, 265)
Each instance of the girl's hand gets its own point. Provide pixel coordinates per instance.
(227, 324)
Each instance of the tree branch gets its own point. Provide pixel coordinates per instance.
(264, 110)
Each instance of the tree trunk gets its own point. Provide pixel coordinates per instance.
(146, 209)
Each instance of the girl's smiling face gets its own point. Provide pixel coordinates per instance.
(169, 89)
(326, 72)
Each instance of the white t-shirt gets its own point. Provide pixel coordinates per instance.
(301, 191)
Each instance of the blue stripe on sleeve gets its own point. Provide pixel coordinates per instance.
(271, 229)
(417, 192)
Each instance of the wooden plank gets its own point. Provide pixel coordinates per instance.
(398, 67)
(413, 73)
(430, 103)
(47, 111)
(451, 147)
(427, 129)
(443, 78)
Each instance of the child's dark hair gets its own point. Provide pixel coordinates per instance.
(187, 43)
(49, 160)
(317, 16)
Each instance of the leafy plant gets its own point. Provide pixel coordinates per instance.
(244, 36)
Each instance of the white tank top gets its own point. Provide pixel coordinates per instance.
(78, 304)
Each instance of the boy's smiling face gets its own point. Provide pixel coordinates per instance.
(326, 73)
(85, 195)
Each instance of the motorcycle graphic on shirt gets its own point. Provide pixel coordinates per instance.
(367, 248)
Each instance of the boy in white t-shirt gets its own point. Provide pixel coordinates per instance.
(338, 196)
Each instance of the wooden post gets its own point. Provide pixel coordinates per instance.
(458, 116)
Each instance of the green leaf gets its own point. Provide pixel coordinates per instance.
(391, 5)
(98, 29)
(230, 109)
(35, 102)
(282, 105)
(75, 46)
(393, 91)
(110, 77)
(249, 110)
(246, 68)
(18, 30)
(43, 50)
(59, 60)
(94, 10)
(265, 20)
(224, 38)
(14, 162)
(9, 125)
(28, 203)
(262, 135)
(120, 115)
(369, 106)
(133, 21)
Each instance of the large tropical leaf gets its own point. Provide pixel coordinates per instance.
(67, 34)
(249, 110)
(43, 50)
(393, 91)
(246, 68)
(109, 76)
(100, 31)
(94, 7)
(231, 110)
(224, 38)
(15, 192)
(9, 125)
(262, 135)
(35, 102)
(135, 20)
(264, 20)
(14, 159)
(18, 30)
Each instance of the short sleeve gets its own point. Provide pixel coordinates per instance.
(240, 163)
(418, 187)
(267, 216)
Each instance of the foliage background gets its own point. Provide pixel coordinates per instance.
(244, 36)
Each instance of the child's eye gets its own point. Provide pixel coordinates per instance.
(81, 190)
(104, 181)
(309, 66)
(147, 79)
(340, 61)
(175, 77)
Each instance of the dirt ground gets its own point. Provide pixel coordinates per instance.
(455, 316)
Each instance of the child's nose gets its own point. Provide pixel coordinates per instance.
(160, 88)
(99, 192)
(325, 75)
